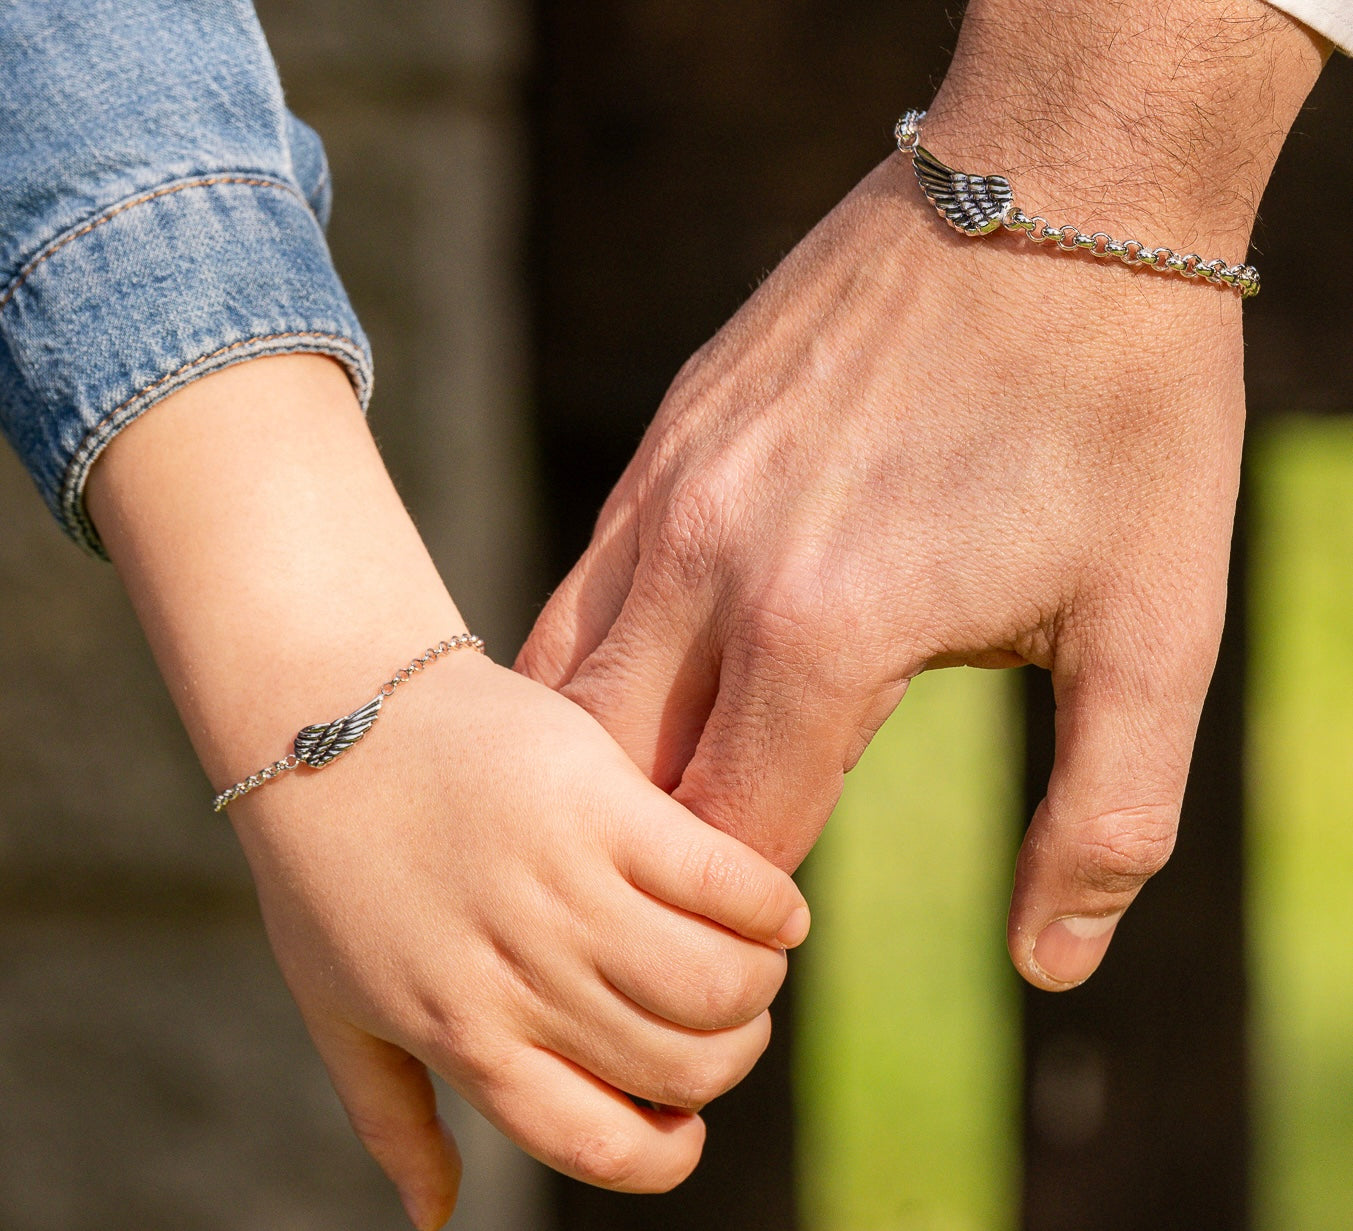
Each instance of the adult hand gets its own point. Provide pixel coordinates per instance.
(913, 449)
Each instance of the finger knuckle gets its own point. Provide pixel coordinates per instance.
(718, 875)
(609, 1157)
(700, 1078)
(695, 520)
(732, 996)
(683, 548)
(1127, 847)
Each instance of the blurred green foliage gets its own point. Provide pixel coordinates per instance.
(1300, 858)
(907, 1060)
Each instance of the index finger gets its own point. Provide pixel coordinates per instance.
(581, 611)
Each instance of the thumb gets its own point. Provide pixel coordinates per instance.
(1124, 738)
(392, 1105)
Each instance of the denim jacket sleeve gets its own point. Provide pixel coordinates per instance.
(161, 217)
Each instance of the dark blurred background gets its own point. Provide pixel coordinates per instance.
(541, 210)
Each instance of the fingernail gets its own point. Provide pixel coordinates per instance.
(795, 930)
(1069, 950)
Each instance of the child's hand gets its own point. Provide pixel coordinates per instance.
(488, 887)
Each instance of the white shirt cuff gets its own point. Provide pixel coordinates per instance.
(1332, 18)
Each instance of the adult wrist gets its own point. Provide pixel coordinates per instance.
(1129, 118)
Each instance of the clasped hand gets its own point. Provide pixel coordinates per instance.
(496, 893)
(911, 449)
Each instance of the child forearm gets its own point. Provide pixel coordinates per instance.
(487, 886)
(269, 558)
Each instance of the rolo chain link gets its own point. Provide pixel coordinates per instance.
(254, 781)
(1243, 278)
(1068, 238)
(466, 641)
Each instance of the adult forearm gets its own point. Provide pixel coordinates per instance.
(1124, 115)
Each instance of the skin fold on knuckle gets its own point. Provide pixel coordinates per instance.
(714, 878)
(734, 992)
(613, 1157)
(713, 1065)
(1119, 851)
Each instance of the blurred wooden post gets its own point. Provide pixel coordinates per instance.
(1135, 1111)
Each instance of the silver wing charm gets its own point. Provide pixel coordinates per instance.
(973, 204)
(318, 745)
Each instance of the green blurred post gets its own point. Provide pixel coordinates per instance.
(1301, 836)
(907, 1034)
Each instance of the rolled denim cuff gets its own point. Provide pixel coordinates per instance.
(154, 292)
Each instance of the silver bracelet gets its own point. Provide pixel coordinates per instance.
(317, 745)
(981, 204)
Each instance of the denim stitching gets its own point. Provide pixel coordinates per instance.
(167, 190)
(74, 515)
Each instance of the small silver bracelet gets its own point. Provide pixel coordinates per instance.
(317, 745)
(981, 204)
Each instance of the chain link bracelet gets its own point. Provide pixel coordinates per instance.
(317, 745)
(981, 204)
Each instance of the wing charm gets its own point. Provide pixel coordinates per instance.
(973, 204)
(318, 745)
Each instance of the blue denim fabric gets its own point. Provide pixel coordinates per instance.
(161, 217)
